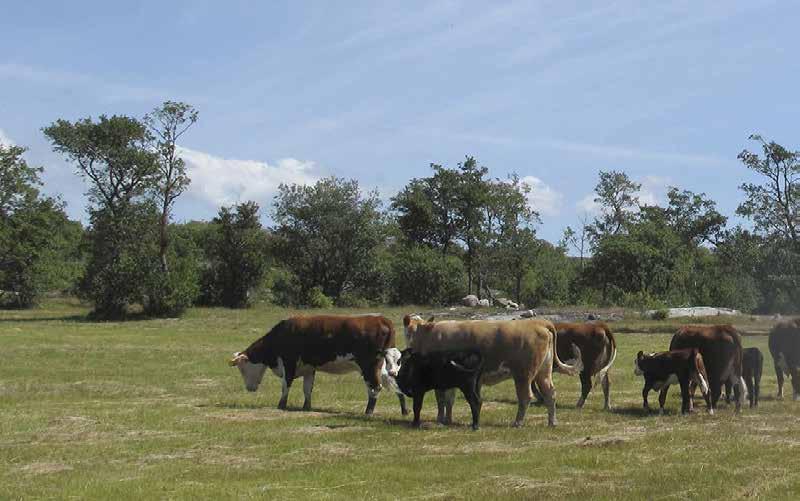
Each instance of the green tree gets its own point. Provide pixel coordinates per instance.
(167, 124)
(327, 234)
(34, 233)
(237, 257)
(617, 196)
(774, 205)
(113, 155)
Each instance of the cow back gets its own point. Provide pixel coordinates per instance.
(720, 346)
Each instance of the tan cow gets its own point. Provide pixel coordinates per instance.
(523, 350)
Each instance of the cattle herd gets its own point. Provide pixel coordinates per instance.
(447, 355)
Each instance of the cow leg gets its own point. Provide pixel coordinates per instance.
(444, 406)
(403, 408)
(716, 389)
(586, 387)
(662, 398)
(288, 377)
(779, 376)
(372, 399)
(756, 386)
(795, 382)
(645, 391)
(536, 393)
(308, 387)
(473, 398)
(748, 382)
(692, 388)
(545, 382)
(419, 396)
(728, 392)
(685, 397)
(606, 383)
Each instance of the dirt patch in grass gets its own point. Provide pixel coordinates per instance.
(329, 428)
(43, 468)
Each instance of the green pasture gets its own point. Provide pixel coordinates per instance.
(150, 409)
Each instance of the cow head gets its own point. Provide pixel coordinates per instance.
(252, 373)
(392, 361)
(636, 369)
(413, 324)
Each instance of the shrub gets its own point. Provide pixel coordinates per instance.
(662, 314)
(420, 275)
(318, 299)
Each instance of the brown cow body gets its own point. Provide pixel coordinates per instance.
(721, 348)
(523, 350)
(784, 346)
(598, 351)
(300, 346)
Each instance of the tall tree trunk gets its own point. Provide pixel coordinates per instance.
(163, 239)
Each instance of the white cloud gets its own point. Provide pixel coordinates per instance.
(5, 140)
(628, 153)
(220, 181)
(542, 197)
(588, 205)
(654, 190)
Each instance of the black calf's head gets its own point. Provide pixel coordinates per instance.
(436, 369)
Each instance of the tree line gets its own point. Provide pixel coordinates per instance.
(454, 232)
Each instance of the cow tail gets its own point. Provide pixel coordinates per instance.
(560, 366)
(737, 367)
(700, 367)
(602, 372)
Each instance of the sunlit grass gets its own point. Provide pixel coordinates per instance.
(149, 409)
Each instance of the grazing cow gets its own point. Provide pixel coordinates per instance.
(442, 370)
(598, 351)
(721, 347)
(784, 346)
(521, 349)
(752, 366)
(299, 346)
(669, 367)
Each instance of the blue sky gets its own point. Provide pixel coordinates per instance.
(290, 92)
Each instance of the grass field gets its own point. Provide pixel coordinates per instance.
(149, 409)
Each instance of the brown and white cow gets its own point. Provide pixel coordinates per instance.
(598, 351)
(683, 367)
(721, 347)
(523, 350)
(784, 346)
(301, 345)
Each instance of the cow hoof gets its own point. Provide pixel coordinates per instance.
(282, 406)
(475, 427)
(416, 424)
(306, 408)
(405, 413)
(517, 424)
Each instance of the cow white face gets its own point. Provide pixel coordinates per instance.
(252, 374)
(392, 362)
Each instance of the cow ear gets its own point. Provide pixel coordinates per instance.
(430, 320)
(639, 355)
(407, 320)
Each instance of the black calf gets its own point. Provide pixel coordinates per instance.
(752, 365)
(442, 371)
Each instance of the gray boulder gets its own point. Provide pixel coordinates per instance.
(471, 300)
